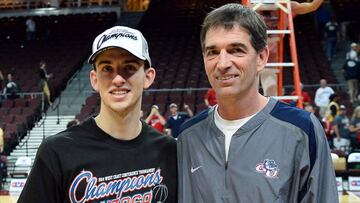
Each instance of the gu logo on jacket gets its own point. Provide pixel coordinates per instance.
(268, 167)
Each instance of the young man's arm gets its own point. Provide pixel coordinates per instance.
(42, 184)
(319, 184)
(305, 7)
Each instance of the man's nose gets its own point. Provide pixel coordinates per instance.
(224, 60)
(118, 80)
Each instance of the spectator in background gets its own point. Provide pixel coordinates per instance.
(44, 84)
(2, 144)
(322, 97)
(210, 97)
(332, 36)
(1, 152)
(354, 128)
(11, 88)
(155, 119)
(30, 29)
(328, 119)
(305, 95)
(353, 53)
(333, 108)
(322, 17)
(1, 80)
(176, 118)
(351, 72)
(341, 128)
(72, 123)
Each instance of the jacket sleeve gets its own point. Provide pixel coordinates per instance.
(185, 188)
(320, 182)
(42, 184)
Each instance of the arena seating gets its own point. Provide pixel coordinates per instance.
(63, 42)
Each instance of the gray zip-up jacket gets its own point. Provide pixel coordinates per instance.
(279, 156)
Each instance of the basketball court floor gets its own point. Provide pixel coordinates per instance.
(344, 197)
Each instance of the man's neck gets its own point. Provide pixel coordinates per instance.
(238, 108)
(122, 127)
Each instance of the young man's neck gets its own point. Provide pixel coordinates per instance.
(238, 108)
(122, 127)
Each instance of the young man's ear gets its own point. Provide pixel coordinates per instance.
(262, 59)
(150, 74)
(93, 80)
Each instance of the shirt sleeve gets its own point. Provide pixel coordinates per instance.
(42, 184)
(185, 187)
(320, 181)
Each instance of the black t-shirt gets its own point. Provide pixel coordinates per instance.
(84, 164)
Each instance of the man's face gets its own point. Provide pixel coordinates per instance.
(342, 111)
(323, 83)
(173, 110)
(120, 79)
(231, 63)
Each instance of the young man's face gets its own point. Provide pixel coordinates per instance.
(231, 63)
(120, 79)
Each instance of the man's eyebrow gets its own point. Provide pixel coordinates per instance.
(126, 61)
(104, 62)
(210, 47)
(237, 44)
(133, 61)
(232, 45)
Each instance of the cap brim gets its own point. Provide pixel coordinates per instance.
(95, 54)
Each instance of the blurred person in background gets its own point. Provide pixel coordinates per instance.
(351, 70)
(1, 80)
(1, 152)
(341, 129)
(210, 97)
(322, 95)
(155, 119)
(176, 118)
(11, 88)
(43, 83)
(30, 29)
(332, 36)
(354, 128)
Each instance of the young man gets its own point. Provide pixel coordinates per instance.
(249, 148)
(113, 157)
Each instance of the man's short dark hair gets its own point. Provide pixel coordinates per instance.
(229, 15)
